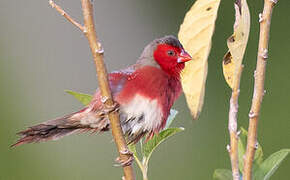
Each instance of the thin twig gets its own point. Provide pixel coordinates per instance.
(265, 21)
(64, 14)
(97, 52)
(233, 148)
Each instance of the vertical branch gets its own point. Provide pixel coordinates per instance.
(97, 52)
(233, 148)
(265, 21)
(89, 30)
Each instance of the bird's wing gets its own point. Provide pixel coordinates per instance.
(117, 80)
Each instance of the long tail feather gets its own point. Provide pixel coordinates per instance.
(58, 128)
(46, 131)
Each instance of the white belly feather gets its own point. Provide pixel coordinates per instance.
(141, 114)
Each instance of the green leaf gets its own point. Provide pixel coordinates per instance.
(270, 165)
(83, 98)
(242, 145)
(258, 159)
(222, 174)
(149, 147)
(171, 117)
(132, 148)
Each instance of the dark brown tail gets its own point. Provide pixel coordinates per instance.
(49, 130)
(84, 120)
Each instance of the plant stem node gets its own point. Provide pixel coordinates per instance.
(274, 1)
(264, 54)
(228, 148)
(260, 17)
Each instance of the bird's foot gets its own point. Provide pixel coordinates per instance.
(126, 152)
(111, 108)
(115, 107)
(126, 162)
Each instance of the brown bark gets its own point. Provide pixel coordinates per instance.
(233, 147)
(265, 21)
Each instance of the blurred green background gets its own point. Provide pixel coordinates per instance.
(41, 55)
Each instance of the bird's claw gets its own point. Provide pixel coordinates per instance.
(126, 152)
(104, 99)
(111, 108)
(127, 162)
(115, 107)
(124, 163)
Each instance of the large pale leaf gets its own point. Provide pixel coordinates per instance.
(222, 174)
(150, 145)
(237, 43)
(270, 165)
(195, 34)
(83, 98)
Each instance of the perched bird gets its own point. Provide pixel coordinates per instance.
(144, 91)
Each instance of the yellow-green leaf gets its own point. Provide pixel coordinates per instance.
(83, 98)
(222, 174)
(195, 34)
(157, 139)
(237, 43)
(270, 165)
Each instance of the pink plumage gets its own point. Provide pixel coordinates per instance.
(145, 91)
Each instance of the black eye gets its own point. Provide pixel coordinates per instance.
(171, 53)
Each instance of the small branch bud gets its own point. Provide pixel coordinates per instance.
(228, 148)
(51, 3)
(126, 152)
(85, 31)
(264, 54)
(252, 115)
(264, 92)
(274, 1)
(260, 17)
(256, 145)
(101, 50)
(104, 99)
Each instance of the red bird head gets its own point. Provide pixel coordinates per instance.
(166, 53)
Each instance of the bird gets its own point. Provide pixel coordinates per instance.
(144, 91)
